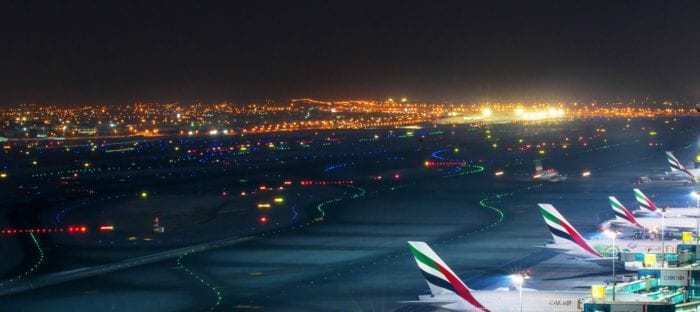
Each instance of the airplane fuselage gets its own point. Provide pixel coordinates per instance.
(670, 213)
(550, 175)
(652, 224)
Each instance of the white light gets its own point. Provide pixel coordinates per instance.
(517, 279)
(610, 233)
(695, 194)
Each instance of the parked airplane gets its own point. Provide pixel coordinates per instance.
(570, 242)
(647, 208)
(679, 174)
(678, 169)
(449, 292)
(625, 220)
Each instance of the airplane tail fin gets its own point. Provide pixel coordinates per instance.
(564, 234)
(678, 166)
(538, 165)
(644, 201)
(674, 163)
(440, 278)
(621, 212)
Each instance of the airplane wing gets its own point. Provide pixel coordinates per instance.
(430, 301)
(604, 260)
(553, 248)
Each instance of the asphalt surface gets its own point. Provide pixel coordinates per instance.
(355, 257)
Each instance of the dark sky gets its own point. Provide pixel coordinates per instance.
(119, 51)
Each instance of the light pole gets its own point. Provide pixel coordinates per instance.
(519, 280)
(663, 237)
(613, 236)
(695, 195)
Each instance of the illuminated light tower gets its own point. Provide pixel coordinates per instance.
(519, 280)
(663, 238)
(696, 195)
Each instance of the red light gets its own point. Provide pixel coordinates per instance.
(77, 229)
(262, 187)
(263, 219)
(397, 176)
(288, 182)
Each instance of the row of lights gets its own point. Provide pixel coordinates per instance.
(325, 182)
(73, 229)
(79, 229)
(584, 174)
(444, 163)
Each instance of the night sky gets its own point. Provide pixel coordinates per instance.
(121, 51)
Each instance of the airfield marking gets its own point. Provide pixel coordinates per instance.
(34, 266)
(215, 290)
(319, 207)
